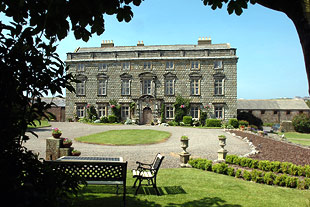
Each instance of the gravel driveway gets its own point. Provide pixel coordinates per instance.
(203, 143)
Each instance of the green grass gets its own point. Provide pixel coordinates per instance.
(195, 188)
(126, 137)
(44, 123)
(298, 138)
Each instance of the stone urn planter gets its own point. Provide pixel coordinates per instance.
(184, 143)
(221, 153)
(66, 143)
(184, 156)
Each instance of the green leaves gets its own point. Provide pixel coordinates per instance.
(234, 6)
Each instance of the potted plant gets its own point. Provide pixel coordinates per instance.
(222, 139)
(242, 127)
(56, 133)
(66, 142)
(184, 142)
(76, 153)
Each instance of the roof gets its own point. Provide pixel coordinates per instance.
(153, 48)
(272, 104)
(60, 102)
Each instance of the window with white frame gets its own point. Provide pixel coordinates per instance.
(169, 87)
(147, 65)
(80, 67)
(218, 64)
(102, 87)
(80, 111)
(125, 112)
(169, 65)
(125, 87)
(169, 112)
(195, 87)
(195, 112)
(219, 112)
(195, 65)
(218, 86)
(102, 110)
(126, 65)
(102, 67)
(147, 87)
(80, 88)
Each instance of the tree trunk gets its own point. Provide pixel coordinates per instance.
(302, 25)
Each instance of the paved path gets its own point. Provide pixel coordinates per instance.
(203, 143)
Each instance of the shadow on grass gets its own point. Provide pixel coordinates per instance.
(94, 196)
(204, 202)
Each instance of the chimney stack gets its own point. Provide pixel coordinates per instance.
(140, 43)
(107, 43)
(204, 41)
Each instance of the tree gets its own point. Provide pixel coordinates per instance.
(30, 68)
(298, 11)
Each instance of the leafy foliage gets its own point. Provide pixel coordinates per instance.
(301, 123)
(181, 106)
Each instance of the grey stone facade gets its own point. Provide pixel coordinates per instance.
(150, 76)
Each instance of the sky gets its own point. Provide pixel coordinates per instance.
(271, 62)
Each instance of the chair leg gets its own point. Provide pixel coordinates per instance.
(140, 180)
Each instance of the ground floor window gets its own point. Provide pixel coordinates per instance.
(125, 112)
(169, 112)
(195, 112)
(102, 110)
(80, 111)
(219, 112)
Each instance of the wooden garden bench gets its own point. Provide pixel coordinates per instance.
(147, 172)
(95, 170)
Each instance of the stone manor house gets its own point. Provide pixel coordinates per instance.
(145, 80)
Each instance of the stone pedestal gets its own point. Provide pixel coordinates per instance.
(184, 158)
(65, 151)
(52, 148)
(221, 154)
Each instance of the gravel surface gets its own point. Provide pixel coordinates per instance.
(203, 143)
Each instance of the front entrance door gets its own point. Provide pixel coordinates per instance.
(147, 115)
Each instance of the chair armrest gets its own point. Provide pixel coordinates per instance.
(143, 165)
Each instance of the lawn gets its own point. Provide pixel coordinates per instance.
(298, 138)
(126, 137)
(195, 188)
(44, 123)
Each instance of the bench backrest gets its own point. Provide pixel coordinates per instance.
(93, 171)
(157, 162)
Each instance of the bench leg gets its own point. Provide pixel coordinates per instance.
(140, 180)
(117, 189)
(154, 186)
(134, 185)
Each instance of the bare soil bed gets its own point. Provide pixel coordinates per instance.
(273, 150)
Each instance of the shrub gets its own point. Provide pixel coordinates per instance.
(203, 117)
(269, 178)
(196, 123)
(173, 123)
(244, 161)
(285, 166)
(275, 166)
(246, 175)
(208, 165)
(301, 171)
(280, 180)
(243, 123)
(104, 119)
(307, 171)
(293, 169)
(291, 182)
(112, 118)
(307, 183)
(257, 176)
(187, 120)
(213, 123)
(233, 122)
(238, 173)
(254, 164)
(231, 171)
(220, 168)
(301, 123)
(230, 158)
(264, 165)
